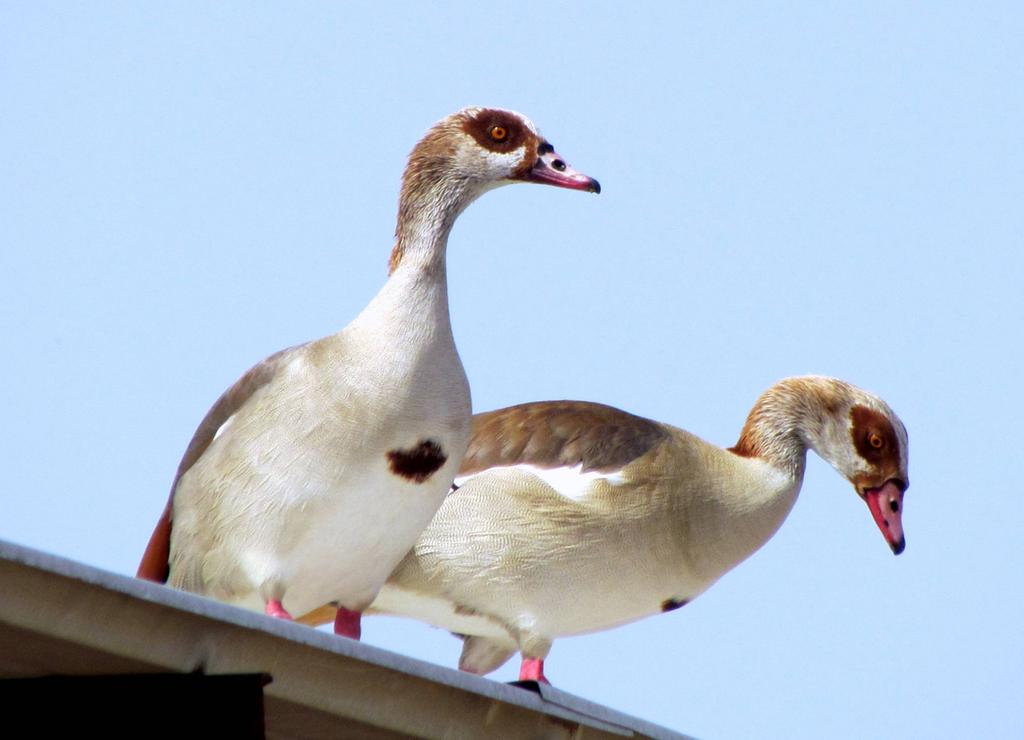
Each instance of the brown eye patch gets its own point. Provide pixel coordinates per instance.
(497, 130)
(874, 437)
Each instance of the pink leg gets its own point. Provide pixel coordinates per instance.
(274, 609)
(347, 623)
(532, 669)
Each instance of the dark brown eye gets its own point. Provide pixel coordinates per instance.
(498, 133)
(876, 441)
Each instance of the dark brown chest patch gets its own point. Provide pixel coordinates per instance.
(670, 605)
(417, 463)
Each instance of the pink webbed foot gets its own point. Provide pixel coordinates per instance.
(532, 669)
(348, 623)
(275, 609)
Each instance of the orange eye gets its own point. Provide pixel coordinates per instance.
(498, 133)
(876, 441)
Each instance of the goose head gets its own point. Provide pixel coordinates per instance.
(490, 147)
(865, 441)
(473, 151)
(459, 159)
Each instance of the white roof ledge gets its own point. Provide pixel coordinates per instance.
(60, 617)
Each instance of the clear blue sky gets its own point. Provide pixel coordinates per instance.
(185, 189)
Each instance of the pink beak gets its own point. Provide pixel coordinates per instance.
(551, 169)
(886, 505)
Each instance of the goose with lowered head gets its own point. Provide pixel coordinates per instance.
(571, 517)
(312, 476)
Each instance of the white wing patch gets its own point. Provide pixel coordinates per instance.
(572, 483)
(223, 427)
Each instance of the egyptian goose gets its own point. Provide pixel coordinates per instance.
(314, 474)
(571, 517)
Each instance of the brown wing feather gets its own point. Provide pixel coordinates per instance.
(154, 564)
(551, 434)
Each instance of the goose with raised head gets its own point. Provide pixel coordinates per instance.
(571, 517)
(313, 475)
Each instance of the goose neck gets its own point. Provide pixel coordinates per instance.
(426, 213)
(780, 428)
